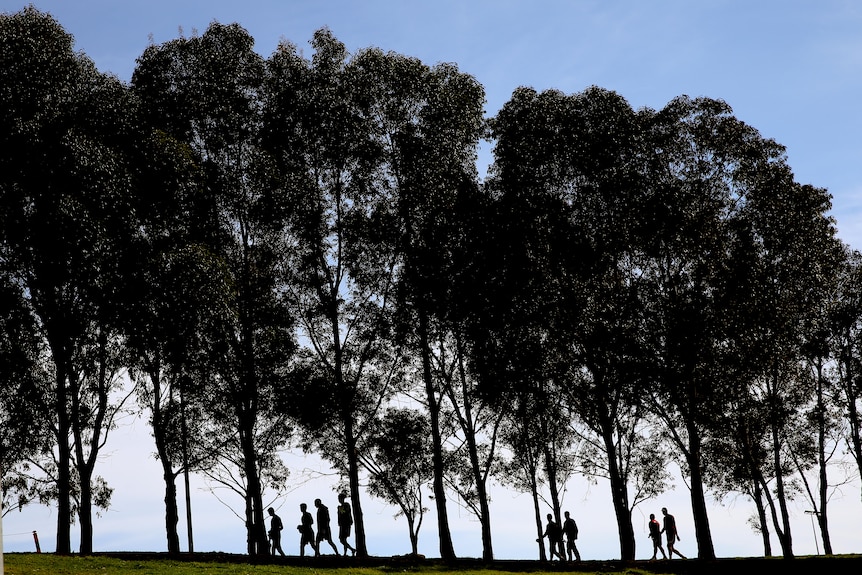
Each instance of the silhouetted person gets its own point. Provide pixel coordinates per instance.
(324, 533)
(670, 532)
(345, 522)
(570, 529)
(555, 538)
(655, 535)
(275, 528)
(305, 530)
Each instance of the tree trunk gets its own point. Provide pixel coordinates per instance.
(784, 536)
(258, 542)
(414, 536)
(447, 551)
(822, 517)
(705, 549)
(172, 515)
(353, 478)
(64, 462)
(478, 475)
(186, 485)
(85, 514)
(171, 510)
(773, 511)
(534, 489)
(761, 518)
(619, 496)
(551, 475)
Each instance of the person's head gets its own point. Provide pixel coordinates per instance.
(664, 510)
(271, 511)
(550, 517)
(303, 507)
(567, 514)
(317, 502)
(652, 515)
(341, 497)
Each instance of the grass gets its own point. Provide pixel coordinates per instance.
(50, 564)
(220, 564)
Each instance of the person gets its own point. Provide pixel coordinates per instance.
(671, 533)
(655, 535)
(324, 532)
(555, 538)
(570, 529)
(306, 532)
(275, 528)
(345, 522)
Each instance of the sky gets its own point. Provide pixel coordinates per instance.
(791, 69)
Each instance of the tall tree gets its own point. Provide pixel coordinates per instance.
(729, 288)
(65, 223)
(426, 122)
(341, 276)
(567, 172)
(206, 91)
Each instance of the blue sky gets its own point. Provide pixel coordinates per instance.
(791, 69)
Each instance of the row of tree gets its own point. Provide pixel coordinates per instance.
(265, 254)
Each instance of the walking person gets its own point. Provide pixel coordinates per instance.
(275, 528)
(671, 533)
(345, 522)
(570, 530)
(655, 535)
(324, 532)
(306, 532)
(555, 538)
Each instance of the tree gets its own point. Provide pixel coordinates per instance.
(398, 458)
(65, 226)
(206, 92)
(341, 277)
(731, 273)
(845, 329)
(567, 173)
(426, 123)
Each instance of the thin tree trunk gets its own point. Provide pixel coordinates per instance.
(761, 518)
(447, 551)
(168, 474)
(537, 511)
(478, 475)
(619, 496)
(353, 477)
(551, 475)
(186, 482)
(784, 537)
(705, 549)
(822, 517)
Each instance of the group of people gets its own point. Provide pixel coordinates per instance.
(555, 534)
(669, 529)
(306, 527)
(569, 530)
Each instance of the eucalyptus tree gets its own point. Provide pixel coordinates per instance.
(730, 275)
(66, 226)
(568, 175)
(426, 123)
(845, 329)
(341, 273)
(206, 92)
(397, 456)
